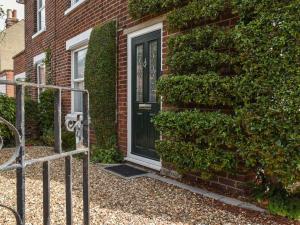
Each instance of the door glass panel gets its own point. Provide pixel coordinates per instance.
(153, 71)
(139, 72)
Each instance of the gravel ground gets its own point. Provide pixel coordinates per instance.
(119, 201)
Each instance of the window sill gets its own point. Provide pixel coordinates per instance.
(38, 33)
(73, 7)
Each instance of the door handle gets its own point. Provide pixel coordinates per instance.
(145, 106)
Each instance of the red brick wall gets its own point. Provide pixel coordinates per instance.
(10, 90)
(19, 63)
(61, 28)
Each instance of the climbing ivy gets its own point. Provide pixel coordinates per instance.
(253, 68)
(48, 65)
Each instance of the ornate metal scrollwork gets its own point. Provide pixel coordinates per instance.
(18, 143)
(17, 216)
(75, 125)
(11, 160)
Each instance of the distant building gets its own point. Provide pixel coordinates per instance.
(12, 42)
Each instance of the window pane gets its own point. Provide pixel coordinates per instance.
(79, 63)
(139, 72)
(2, 86)
(40, 4)
(153, 71)
(78, 105)
(41, 72)
(74, 1)
(41, 19)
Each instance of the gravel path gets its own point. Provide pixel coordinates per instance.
(118, 201)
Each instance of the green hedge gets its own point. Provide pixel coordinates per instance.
(184, 13)
(100, 81)
(46, 110)
(8, 112)
(263, 51)
(195, 12)
(209, 128)
(194, 62)
(211, 37)
(209, 89)
(140, 8)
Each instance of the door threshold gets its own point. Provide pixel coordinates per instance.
(152, 164)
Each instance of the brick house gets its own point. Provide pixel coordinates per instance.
(64, 28)
(11, 42)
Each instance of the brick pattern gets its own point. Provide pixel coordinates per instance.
(19, 63)
(60, 28)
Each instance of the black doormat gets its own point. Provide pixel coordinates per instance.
(126, 171)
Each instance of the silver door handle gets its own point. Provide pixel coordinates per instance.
(145, 106)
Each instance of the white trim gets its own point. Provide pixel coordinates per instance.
(20, 76)
(72, 76)
(39, 9)
(73, 7)
(79, 40)
(3, 87)
(39, 58)
(37, 69)
(38, 33)
(152, 164)
(130, 157)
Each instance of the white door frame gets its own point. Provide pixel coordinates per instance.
(156, 165)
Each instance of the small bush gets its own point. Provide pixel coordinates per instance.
(48, 137)
(106, 156)
(68, 140)
(8, 112)
(46, 110)
(284, 205)
(32, 126)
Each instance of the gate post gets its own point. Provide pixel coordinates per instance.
(86, 160)
(57, 121)
(20, 172)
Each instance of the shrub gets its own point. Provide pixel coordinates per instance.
(195, 12)
(209, 90)
(106, 156)
(196, 141)
(100, 81)
(68, 140)
(284, 205)
(32, 126)
(46, 110)
(8, 112)
(48, 137)
(140, 8)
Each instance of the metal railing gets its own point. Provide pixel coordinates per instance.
(19, 163)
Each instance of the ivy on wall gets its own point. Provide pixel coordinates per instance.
(253, 68)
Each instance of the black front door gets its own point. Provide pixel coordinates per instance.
(146, 69)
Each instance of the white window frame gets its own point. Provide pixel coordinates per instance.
(21, 77)
(39, 9)
(73, 80)
(37, 60)
(4, 86)
(38, 76)
(73, 6)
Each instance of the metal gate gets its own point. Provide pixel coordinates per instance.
(19, 163)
